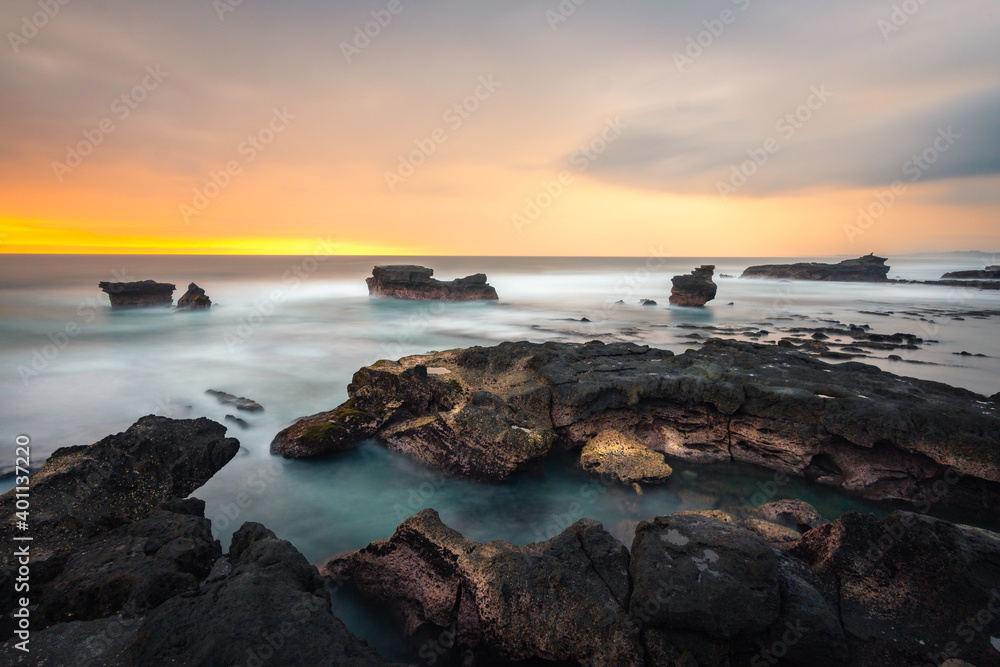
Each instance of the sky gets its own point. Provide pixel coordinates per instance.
(467, 127)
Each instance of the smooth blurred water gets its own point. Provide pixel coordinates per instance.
(290, 332)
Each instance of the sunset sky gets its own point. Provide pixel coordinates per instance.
(465, 127)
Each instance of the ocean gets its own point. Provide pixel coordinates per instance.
(289, 332)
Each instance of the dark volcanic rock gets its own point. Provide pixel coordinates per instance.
(272, 606)
(912, 590)
(695, 290)
(84, 492)
(101, 542)
(486, 412)
(238, 402)
(125, 571)
(194, 299)
(694, 573)
(562, 601)
(139, 294)
(989, 273)
(864, 269)
(414, 283)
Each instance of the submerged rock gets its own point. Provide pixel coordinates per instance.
(194, 299)
(238, 402)
(144, 294)
(497, 409)
(627, 460)
(414, 283)
(864, 269)
(695, 290)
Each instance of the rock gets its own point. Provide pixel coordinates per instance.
(627, 460)
(989, 273)
(908, 586)
(647, 302)
(84, 492)
(795, 514)
(233, 419)
(850, 425)
(895, 357)
(238, 402)
(108, 533)
(698, 574)
(142, 294)
(562, 601)
(864, 269)
(414, 283)
(194, 299)
(695, 290)
(271, 592)
(125, 570)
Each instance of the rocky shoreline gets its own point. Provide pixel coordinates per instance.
(125, 571)
(485, 413)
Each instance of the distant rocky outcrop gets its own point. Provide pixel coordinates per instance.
(989, 273)
(143, 294)
(484, 413)
(414, 283)
(695, 290)
(124, 569)
(194, 299)
(864, 269)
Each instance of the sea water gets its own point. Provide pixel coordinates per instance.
(289, 332)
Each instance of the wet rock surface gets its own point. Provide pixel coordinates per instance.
(863, 269)
(142, 294)
(484, 413)
(414, 283)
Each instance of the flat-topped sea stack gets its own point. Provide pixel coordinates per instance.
(194, 299)
(414, 283)
(867, 269)
(142, 294)
(694, 290)
(989, 273)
